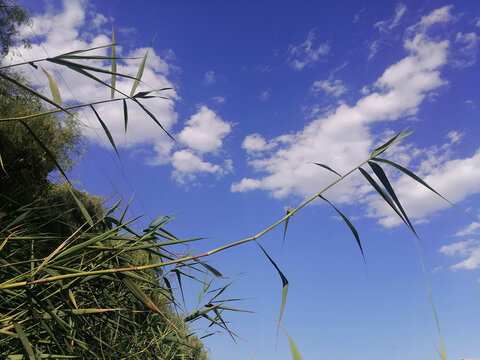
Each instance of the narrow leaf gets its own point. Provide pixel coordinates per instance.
(284, 282)
(377, 169)
(125, 115)
(84, 50)
(23, 338)
(382, 193)
(107, 132)
(390, 142)
(349, 224)
(82, 208)
(289, 210)
(293, 347)
(114, 65)
(53, 88)
(328, 168)
(139, 74)
(153, 118)
(1, 164)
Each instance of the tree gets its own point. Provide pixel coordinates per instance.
(12, 16)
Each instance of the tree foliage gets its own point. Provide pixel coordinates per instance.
(12, 16)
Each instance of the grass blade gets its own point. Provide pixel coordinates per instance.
(289, 210)
(107, 132)
(82, 208)
(53, 88)
(284, 282)
(125, 115)
(114, 65)
(153, 118)
(84, 50)
(401, 135)
(293, 347)
(377, 169)
(328, 168)
(139, 74)
(349, 224)
(23, 338)
(382, 194)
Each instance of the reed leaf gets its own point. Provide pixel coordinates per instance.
(114, 65)
(23, 338)
(293, 347)
(139, 74)
(57, 99)
(328, 168)
(105, 128)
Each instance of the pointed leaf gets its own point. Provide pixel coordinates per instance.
(82, 208)
(289, 210)
(293, 347)
(390, 142)
(83, 50)
(53, 88)
(125, 115)
(284, 282)
(1, 164)
(23, 338)
(114, 65)
(349, 224)
(107, 132)
(382, 194)
(139, 74)
(377, 169)
(153, 118)
(328, 168)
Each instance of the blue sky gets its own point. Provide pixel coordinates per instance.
(261, 90)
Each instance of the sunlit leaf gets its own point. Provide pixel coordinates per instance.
(293, 347)
(139, 74)
(23, 338)
(401, 135)
(53, 88)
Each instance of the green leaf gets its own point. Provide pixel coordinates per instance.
(82, 208)
(349, 224)
(377, 169)
(84, 50)
(44, 147)
(107, 132)
(284, 282)
(289, 210)
(114, 65)
(328, 168)
(382, 194)
(390, 142)
(212, 270)
(293, 347)
(125, 115)
(139, 74)
(53, 88)
(148, 112)
(23, 338)
(29, 89)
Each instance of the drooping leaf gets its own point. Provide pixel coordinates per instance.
(382, 194)
(30, 90)
(114, 65)
(125, 115)
(144, 94)
(377, 169)
(25, 342)
(105, 128)
(401, 135)
(328, 168)
(44, 147)
(149, 113)
(284, 282)
(349, 224)
(289, 210)
(82, 208)
(139, 74)
(53, 88)
(293, 347)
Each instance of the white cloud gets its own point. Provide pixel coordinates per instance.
(209, 77)
(219, 99)
(438, 16)
(72, 28)
(204, 131)
(466, 54)
(255, 143)
(469, 230)
(307, 53)
(335, 87)
(390, 24)
(265, 95)
(469, 249)
(343, 138)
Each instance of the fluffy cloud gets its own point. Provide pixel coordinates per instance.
(438, 16)
(286, 169)
(306, 53)
(73, 28)
(466, 54)
(335, 87)
(469, 249)
(469, 230)
(204, 131)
